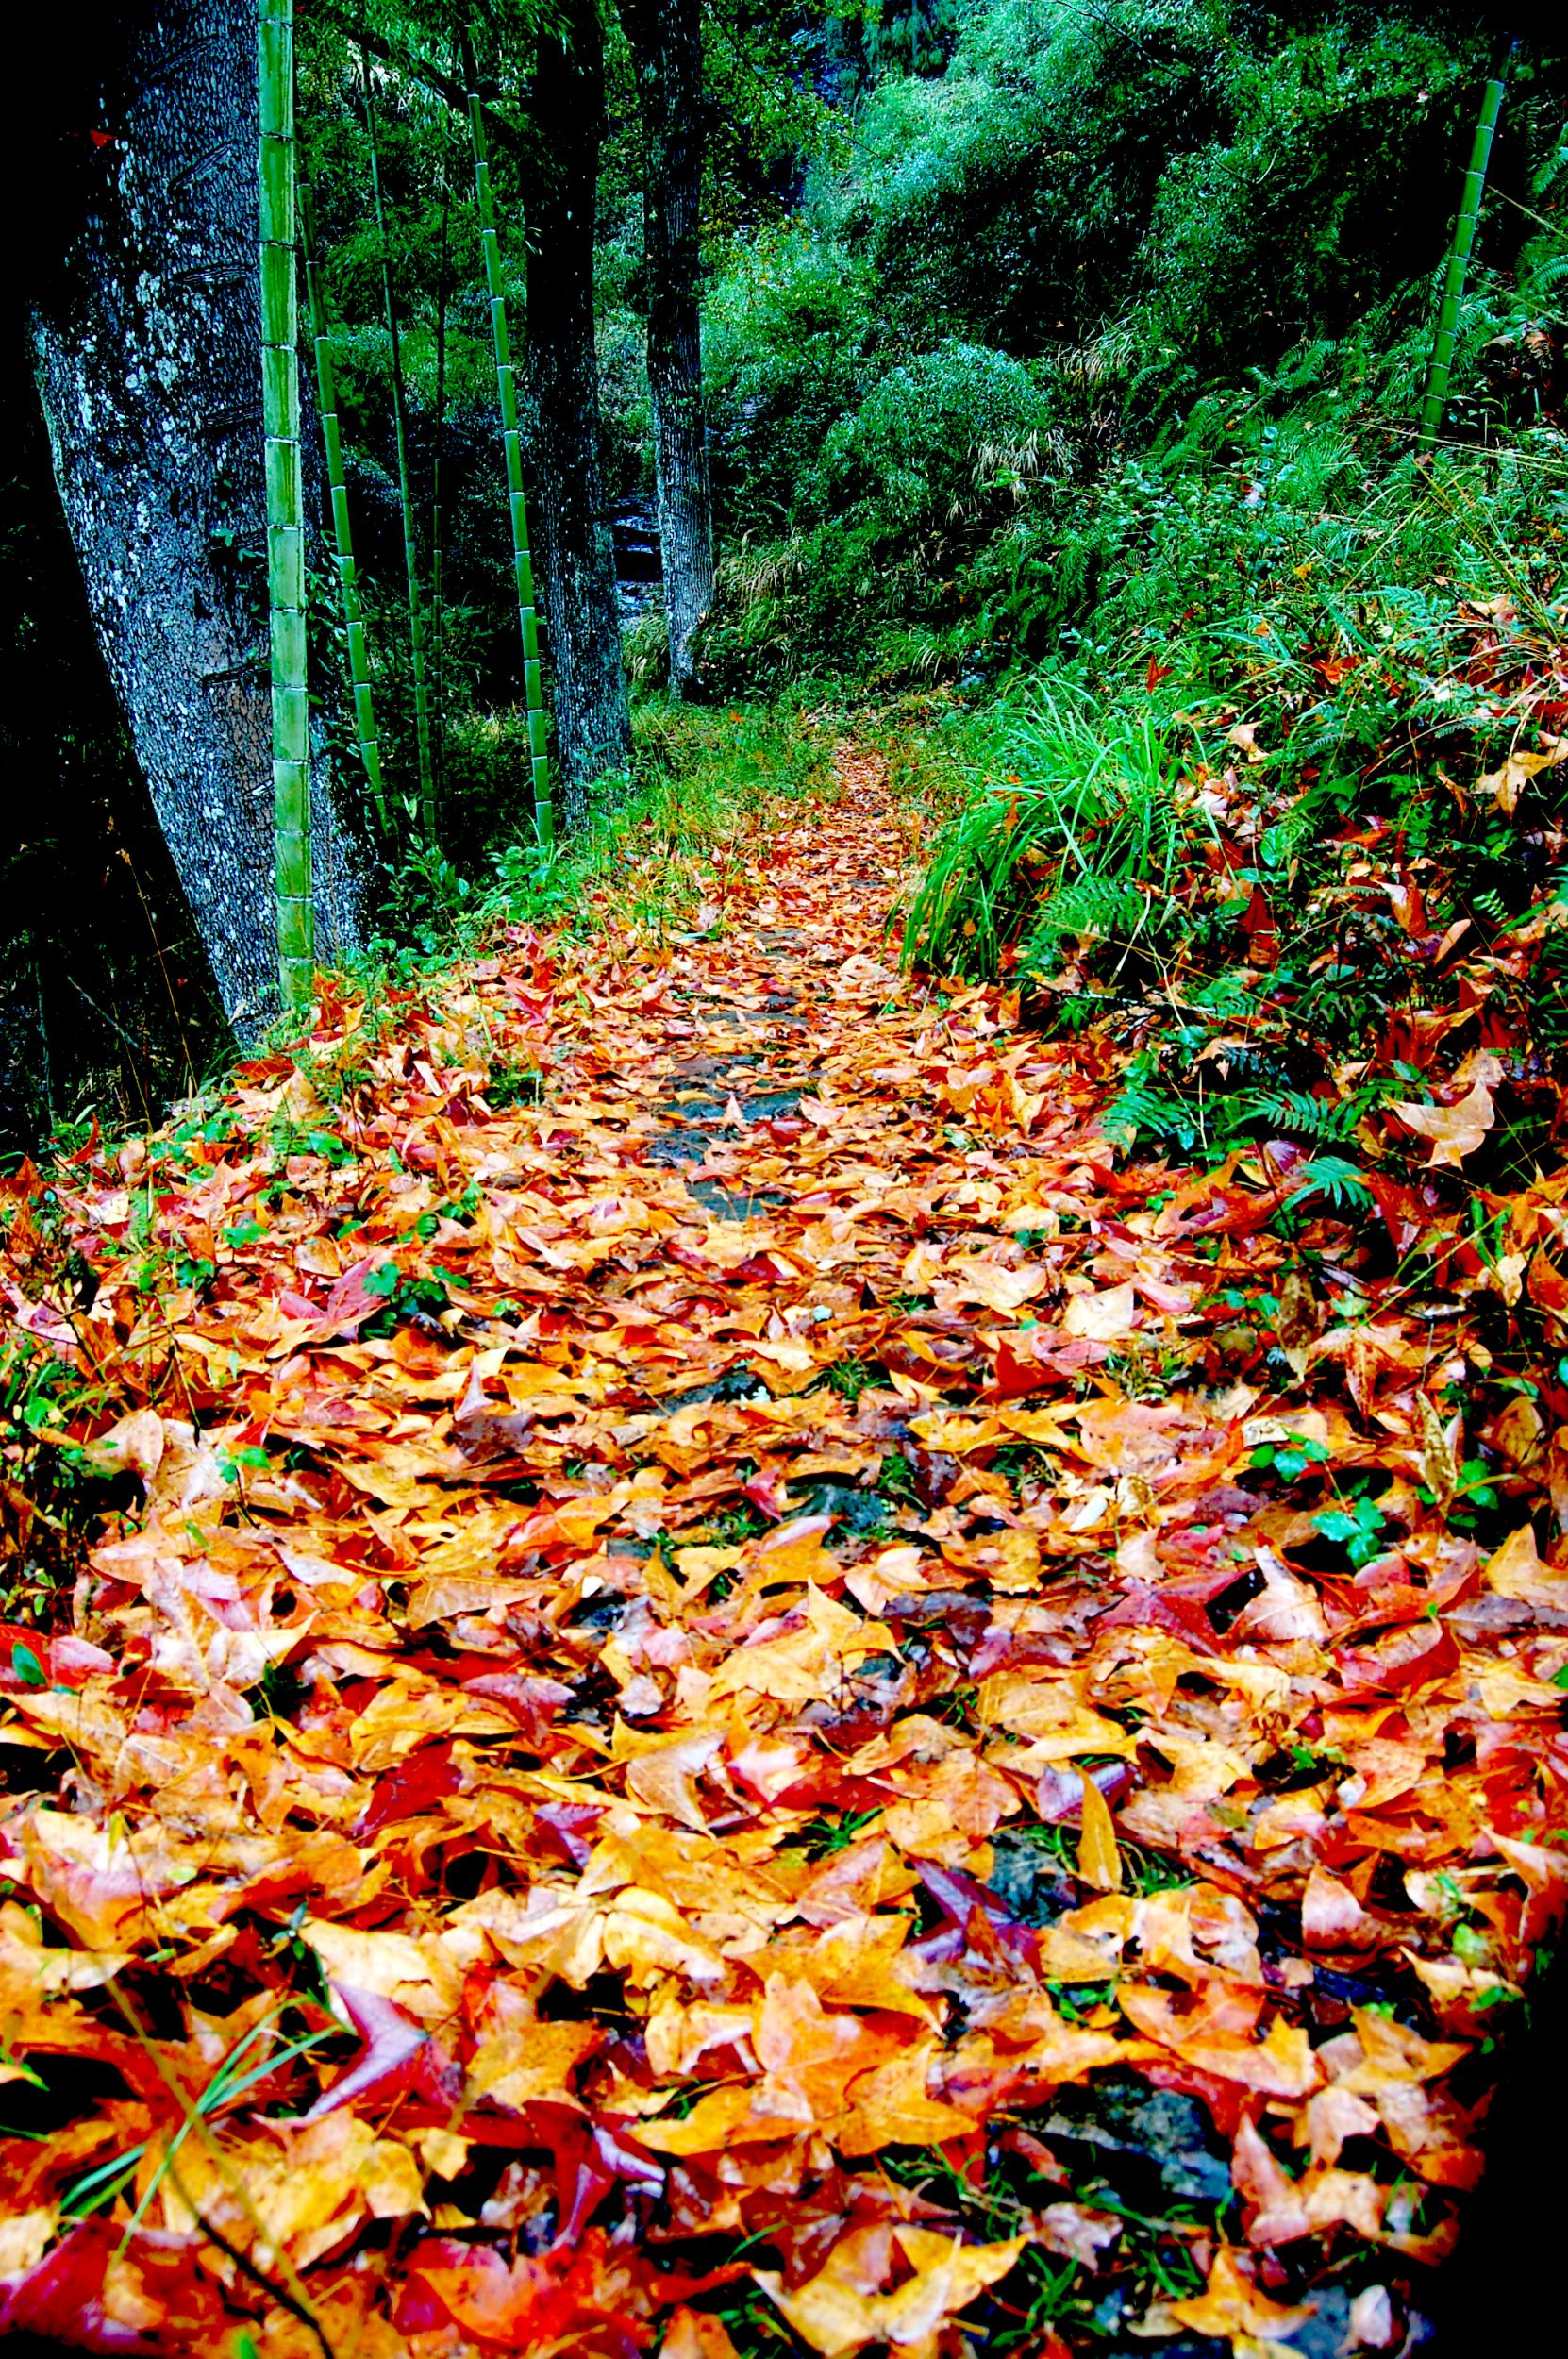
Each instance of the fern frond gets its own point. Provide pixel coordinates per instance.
(1331, 1176)
(1140, 1111)
(1297, 1114)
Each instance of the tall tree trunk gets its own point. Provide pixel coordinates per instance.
(666, 40)
(593, 723)
(146, 333)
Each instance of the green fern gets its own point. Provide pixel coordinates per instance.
(1141, 1111)
(1094, 906)
(1297, 1114)
(1331, 1176)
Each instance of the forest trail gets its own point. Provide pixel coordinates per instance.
(724, 1613)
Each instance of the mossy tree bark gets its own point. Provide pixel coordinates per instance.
(593, 721)
(145, 327)
(666, 43)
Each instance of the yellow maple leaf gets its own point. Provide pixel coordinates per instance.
(1455, 1131)
(833, 2315)
(1099, 1861)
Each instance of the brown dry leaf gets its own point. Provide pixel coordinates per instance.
(1455, 1131)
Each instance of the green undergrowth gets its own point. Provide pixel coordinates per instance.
(701, 781)
(1284, 818)
(968, 413)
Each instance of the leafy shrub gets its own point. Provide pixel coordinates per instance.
(786, 337)
(1316, 200)
(924, 440)
(1008, 200)
(1016, 379)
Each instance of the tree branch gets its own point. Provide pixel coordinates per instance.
(518, 142)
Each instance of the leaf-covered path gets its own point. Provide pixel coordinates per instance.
(707, 1715)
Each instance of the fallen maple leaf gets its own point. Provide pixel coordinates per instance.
(1455, 1131)
(1234, 2309)
(696, 2334)
(1508, 783)
(634, 1599)
(1332, 1917)
(1104, 1317)
(833, 2315)
(1099, 1861)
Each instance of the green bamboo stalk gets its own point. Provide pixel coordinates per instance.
(343, 537)
(438, 617)
(1435, 393)
(523, 569)
(411, 545)
(294, 898)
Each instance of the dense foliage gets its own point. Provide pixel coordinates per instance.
(1134, 222)
(1246, 709)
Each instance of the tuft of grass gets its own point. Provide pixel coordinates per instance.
(514, 1082)
(825, 1836)
(661, 840)
(849, 1379)
(1076, 829)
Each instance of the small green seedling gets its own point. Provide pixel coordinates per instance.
(1357, 1527)
(1291, 1456)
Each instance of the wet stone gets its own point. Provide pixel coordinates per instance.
(740, 1383)
(1181, 2347)
(675, 1149)
(704, 1068)
(1136, 2134)
(852, 1509)
(1027, 1882)
(762, 1106)
(739, 1204)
